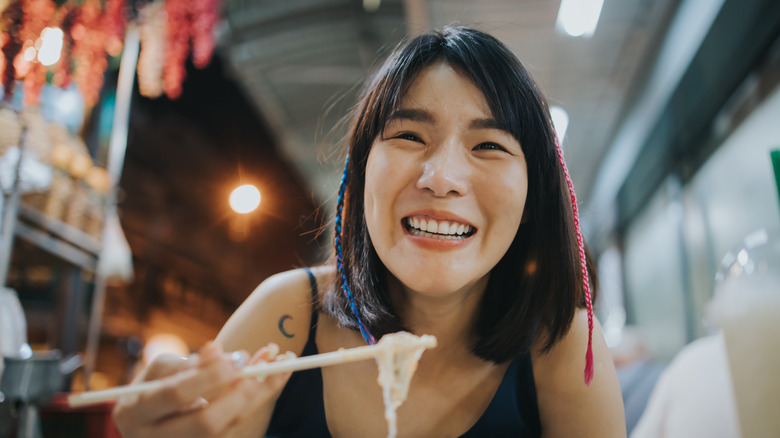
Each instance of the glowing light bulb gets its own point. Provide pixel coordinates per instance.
(51, 48)
(245, 199)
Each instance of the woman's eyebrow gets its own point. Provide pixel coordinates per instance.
(423, 116)
(489, 123)
(414, 115)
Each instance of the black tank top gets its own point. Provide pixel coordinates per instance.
(300, 413)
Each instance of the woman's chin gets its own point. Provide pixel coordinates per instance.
(441, 285)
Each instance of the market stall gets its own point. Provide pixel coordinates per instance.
(58, 192)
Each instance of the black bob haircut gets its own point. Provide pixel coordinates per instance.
(536, 287)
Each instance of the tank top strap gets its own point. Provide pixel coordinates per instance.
(299, 411)
(314, 313)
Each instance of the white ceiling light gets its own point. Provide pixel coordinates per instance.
(560, 119)
(579, 17)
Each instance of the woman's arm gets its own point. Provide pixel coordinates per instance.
(206, 397)
(278, 311)
(567, 407)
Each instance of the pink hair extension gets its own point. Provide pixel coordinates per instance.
(583, 265)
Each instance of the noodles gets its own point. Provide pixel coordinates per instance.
(397, 362)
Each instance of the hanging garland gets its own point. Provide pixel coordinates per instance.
(177, 46)
(205, 14)
(114, 20)
(151, 31)
(89, 51)
(94, 29)
(67, 16)
(11, 22)
(37, 15)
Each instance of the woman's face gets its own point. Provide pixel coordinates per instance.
(445, 187)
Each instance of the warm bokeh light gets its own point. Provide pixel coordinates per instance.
(579, 17)
(164, 343)
(29, 53)
(245, 199)
(51, 48)
(371, 5)
(67, 101)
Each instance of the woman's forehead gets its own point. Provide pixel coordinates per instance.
(441, 82)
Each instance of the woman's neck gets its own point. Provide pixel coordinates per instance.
(450, 318)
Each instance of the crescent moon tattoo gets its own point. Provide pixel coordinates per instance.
(281, 326)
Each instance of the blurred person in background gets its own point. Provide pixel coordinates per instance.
(637, 373)
(730, 375)
(693, 397)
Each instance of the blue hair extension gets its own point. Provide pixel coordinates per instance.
(339, 264)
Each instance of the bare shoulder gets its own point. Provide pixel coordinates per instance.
(279, 310)
(567, 407)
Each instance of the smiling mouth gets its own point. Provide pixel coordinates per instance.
(427, 227)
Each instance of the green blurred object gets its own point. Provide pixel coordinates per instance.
(776, 165)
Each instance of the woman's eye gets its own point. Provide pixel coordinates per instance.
(408, 136)
(489, 147)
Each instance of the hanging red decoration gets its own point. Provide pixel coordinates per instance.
(177, 46)
(3, 39)
(151, 59)
(33, 84)
(66, 18)
(11, 22)
(89, 51)
(93, 28)
(38, 15)
(114, 24)
(205, 15)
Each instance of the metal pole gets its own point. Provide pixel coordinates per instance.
(10, 209)
(116, 157)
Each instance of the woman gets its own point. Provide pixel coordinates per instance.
(458, 221)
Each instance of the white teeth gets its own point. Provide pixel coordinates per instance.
(439, 229)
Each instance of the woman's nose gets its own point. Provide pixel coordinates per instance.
(444, 172)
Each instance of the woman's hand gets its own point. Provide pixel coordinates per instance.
(202, 399)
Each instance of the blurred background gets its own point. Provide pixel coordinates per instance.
(668, 111)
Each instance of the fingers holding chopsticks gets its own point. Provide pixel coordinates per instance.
(182, 381)
(203, 397)
(236, 411)
(274, 383)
